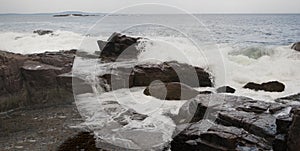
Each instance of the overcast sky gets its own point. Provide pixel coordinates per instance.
(191, 6)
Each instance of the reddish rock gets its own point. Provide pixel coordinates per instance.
(31, 79)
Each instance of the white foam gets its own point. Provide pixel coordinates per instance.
(26, 43)
(233, 66)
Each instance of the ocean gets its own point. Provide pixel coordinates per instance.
(238, 48)
(235, 49)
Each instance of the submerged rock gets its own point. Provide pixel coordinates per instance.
(273, 86)
(225, 89)
(171, 91)
(296, 46)
(118, 46)
(43, 32)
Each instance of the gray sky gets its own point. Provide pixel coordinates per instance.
(191, 6)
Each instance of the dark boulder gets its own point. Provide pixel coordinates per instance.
(43, 32)
(273, 86)
(296, 46)
(171, 72)
(170, 91)
(119, 47)
(225, 89)
(145, 74)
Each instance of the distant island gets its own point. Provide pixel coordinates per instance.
(74, 13)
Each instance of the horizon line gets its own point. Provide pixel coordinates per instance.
(198, 13)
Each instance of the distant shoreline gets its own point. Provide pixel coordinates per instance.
(62, 13)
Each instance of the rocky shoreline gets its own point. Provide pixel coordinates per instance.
(43, 81)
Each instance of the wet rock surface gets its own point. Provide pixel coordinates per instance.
(243, 124)
(216, 137)
(273, 86)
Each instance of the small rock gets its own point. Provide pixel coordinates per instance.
(43, 32)
(273, 86)
(225, 89)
